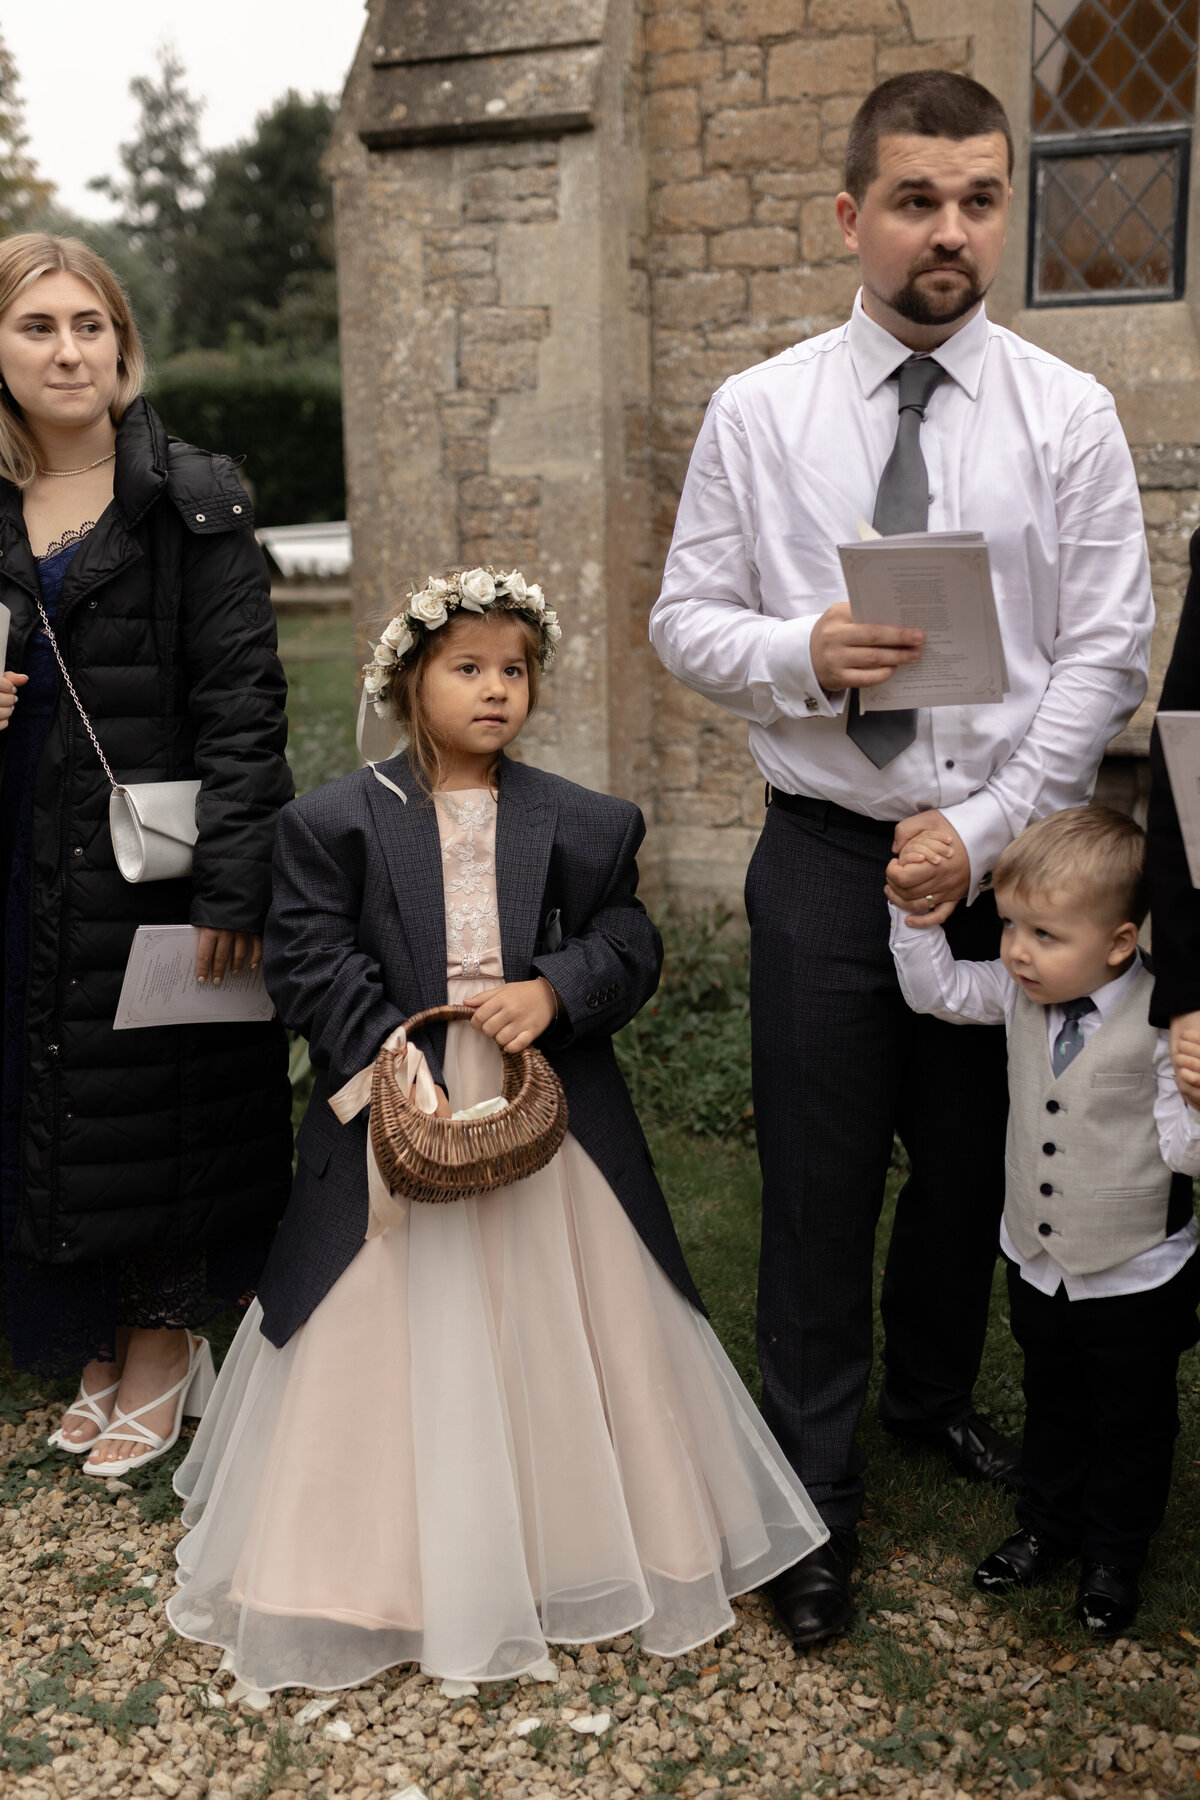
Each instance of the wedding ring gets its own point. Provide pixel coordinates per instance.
(930, 902)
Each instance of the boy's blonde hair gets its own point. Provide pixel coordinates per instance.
(1092, 855)
(24, 259)
(404, 696)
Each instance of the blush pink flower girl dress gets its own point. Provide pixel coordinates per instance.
(502, 1428)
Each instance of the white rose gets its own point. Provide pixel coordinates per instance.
(381, 711)
(437, 585)
(385, 656)
(429, 608)
(551, 626)
(374, 681)
(477, 586)
(534, 598)
(404, 643)
(514, 585)
(393, 632)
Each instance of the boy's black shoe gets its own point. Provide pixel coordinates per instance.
(1020, 1561)
(1108, 1599)
(813, 1598)
(973, 1448)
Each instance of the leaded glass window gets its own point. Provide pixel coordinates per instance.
(1114, 93)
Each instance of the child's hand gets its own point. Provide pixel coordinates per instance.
(928, 847)
(442, 1110)
(516, 1013)
(1185, 1055)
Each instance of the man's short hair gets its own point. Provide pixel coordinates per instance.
(924, 103)
(1092, 855)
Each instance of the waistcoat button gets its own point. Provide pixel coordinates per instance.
(1048, 1149)
(1052, 1106)
(1046, 1189)
(1045, 1230)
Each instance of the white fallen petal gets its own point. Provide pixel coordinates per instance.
(596, 1723)
(255, 1698)
(316, 1709)
(545, 1671)
(145, 1581)
(208, 1695)
(458, 1690)
(339, 1729)
(523, 1727)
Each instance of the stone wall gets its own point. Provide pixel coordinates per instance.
(535, 318)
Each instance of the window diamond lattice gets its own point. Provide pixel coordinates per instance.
(1113, 65)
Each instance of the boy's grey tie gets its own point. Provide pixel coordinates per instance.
(1069, 1041)
(901, 504)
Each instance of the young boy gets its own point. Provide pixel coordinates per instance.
(1098, 1226)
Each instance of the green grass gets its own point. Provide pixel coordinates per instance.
(322, 671)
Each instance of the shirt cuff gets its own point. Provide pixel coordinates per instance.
(980, 822)
(796, 691)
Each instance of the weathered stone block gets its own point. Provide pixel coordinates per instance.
(709, 205)
(743, 87)
(853, 15)
(515, 153)
(673, 31)
(812, 67)
(673, 119)
(745, 59)
(942, 53)
(527, 193)
(501, 324)
(753, 247)
(691, 300)
(497, 368)
(676, 251)
(770, 211)
(744, 21)
(423, 30)
(682, 68)
(826, 293)
(461, 291)
(490, 96)
(781, 137)
(678, 165)
(820, 233)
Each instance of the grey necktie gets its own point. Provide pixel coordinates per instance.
(901, 504)
(1069, 1041)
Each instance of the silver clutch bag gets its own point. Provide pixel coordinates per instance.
(152, 823)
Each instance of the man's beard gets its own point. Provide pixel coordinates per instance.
(919, 307)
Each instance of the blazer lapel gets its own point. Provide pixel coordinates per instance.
(412, 850)
(524, 835)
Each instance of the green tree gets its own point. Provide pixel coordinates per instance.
(257, 267)
(24, 196)
(162, 184)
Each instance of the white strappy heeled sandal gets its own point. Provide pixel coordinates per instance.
(85, 1406)
(193, 1389)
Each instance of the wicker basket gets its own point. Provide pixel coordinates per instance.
(426, 1158)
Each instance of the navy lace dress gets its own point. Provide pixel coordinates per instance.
(60, 1318)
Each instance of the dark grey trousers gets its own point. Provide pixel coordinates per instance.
(840, 1063)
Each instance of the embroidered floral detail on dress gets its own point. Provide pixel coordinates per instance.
(469, 857)
(66, 541)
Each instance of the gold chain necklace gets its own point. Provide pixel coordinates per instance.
(84, 471)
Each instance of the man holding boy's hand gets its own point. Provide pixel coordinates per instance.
(918, 413)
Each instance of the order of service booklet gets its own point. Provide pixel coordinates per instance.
(1179, 734)
(940, 582)
(160, 986)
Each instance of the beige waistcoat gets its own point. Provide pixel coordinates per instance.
(1085, 1179)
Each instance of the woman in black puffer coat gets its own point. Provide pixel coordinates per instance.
(142, 1172)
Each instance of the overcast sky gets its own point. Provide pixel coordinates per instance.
(76, 58)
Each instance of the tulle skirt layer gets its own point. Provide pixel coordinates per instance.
(502, 1428)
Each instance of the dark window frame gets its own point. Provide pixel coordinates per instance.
(1062, 146)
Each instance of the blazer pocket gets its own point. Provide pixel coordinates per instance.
(1122, 1078)
(314, 1151)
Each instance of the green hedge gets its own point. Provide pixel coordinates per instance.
(283, 423)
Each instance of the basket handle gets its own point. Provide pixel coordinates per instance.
(435, 1015)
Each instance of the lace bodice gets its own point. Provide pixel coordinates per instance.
(467, 826)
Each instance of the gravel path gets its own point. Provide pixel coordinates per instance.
(934, 1694)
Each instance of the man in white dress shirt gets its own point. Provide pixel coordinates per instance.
(858, 424)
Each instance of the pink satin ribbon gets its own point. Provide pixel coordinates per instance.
(385, 1209)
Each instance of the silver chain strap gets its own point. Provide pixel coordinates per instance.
(87, 723)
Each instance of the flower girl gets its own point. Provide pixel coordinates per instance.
(453, 1434)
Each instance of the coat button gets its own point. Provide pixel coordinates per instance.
(1045, 1230)
(1052, 1106)
(79, 849)
(238, 511)
(1046, 1189)
(1048, 1149)
(199, 518)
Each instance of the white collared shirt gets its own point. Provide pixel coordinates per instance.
(1019, 446)
(984, 993)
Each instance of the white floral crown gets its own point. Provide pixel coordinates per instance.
(428, 608)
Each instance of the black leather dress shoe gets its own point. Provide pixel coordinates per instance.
(973, 1449)
(1019, 1562)
(1108, 1599)
(813, 1599)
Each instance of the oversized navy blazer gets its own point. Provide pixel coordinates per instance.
(356, 942)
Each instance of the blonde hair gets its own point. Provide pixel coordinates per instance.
(426, 750)
(24, 259)
(1093, 854)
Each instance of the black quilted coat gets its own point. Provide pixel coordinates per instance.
(177, 1138)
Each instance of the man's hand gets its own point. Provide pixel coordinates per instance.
(929, 862)
(10, 681)
(845, 654)
(516, 1013)
(221, 953)
(1185, 1055)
